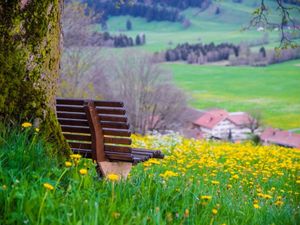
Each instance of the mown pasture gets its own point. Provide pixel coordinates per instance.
(274, 90)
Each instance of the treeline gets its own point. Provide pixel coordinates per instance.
(201, 54)
(104, 39)
(150, 12)
(121, 40)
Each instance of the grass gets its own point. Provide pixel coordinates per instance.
(206, 26)
(273, 90)
(197, 183)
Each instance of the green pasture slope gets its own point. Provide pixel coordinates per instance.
(205, 26)
(274, 90)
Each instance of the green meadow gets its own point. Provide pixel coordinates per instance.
(273, 90)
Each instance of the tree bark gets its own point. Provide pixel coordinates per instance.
(30, 46)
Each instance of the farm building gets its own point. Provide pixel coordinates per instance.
(222, 125)
(280, 137)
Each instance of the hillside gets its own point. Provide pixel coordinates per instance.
(206, 26)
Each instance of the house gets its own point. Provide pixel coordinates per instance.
(281, 138)
(222, 125)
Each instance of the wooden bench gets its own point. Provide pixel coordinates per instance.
(100, 130)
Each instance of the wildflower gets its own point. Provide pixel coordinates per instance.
(169, 174)
(267, 196)
(255, 201)
(297, 181)
(48, 186)
(75, 156)
(229, 186)
(235, 176)
(279, 203)
(68, 164)
(4, 187)
(256, 206)
(83, 171)
(206, 197)
(116, 215)
(214, 211)
(214, 182)
(26, 124)
(113, 177)
(37, 130)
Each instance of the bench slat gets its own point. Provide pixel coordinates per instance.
(72, 129)
(80, 123)
(124, 141)
(111, 111)
(63, 108)
(63, 115)
(109, 104)
(78, 137)
(114, 125)
(114, 132)
(79, 145)
(122, 119)
(66, 101)
(113, 148)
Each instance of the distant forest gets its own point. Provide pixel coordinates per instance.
(168, 10)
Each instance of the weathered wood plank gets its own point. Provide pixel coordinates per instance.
(69, 101)
(123, 141)
(72, 129)
(113, 148)
(63, 108)
(78, 137)
(122, 119)
(114, 125)
(66, 115)
(115, 132)
(109, 104)
(111, 111)
(71, 122)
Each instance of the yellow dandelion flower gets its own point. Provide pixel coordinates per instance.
(297, 181)
(214, 211)
(215, 182)
(267, 196)
(206, 197)
(279, 203)
(256, 206)
(75, 156)
(48, 186)
(26, 124)
(229, 186)
(235, 177)
(68, 164)
(83, 171)
(113, 177)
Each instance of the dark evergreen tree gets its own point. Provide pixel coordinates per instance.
(262, 51)
(138, 40)
(128, 24)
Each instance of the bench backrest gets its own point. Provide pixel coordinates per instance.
(96, 129)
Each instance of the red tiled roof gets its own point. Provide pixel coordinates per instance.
(239, 118)
(211, 118)
(281, 137)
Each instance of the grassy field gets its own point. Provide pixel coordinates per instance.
(197, 183)
(206, 26)
(273, 90)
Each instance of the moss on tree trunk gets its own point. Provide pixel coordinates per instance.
(30, 45)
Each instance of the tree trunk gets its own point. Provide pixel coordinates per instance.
(30, 45)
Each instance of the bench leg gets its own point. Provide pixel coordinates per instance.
(120, 168)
